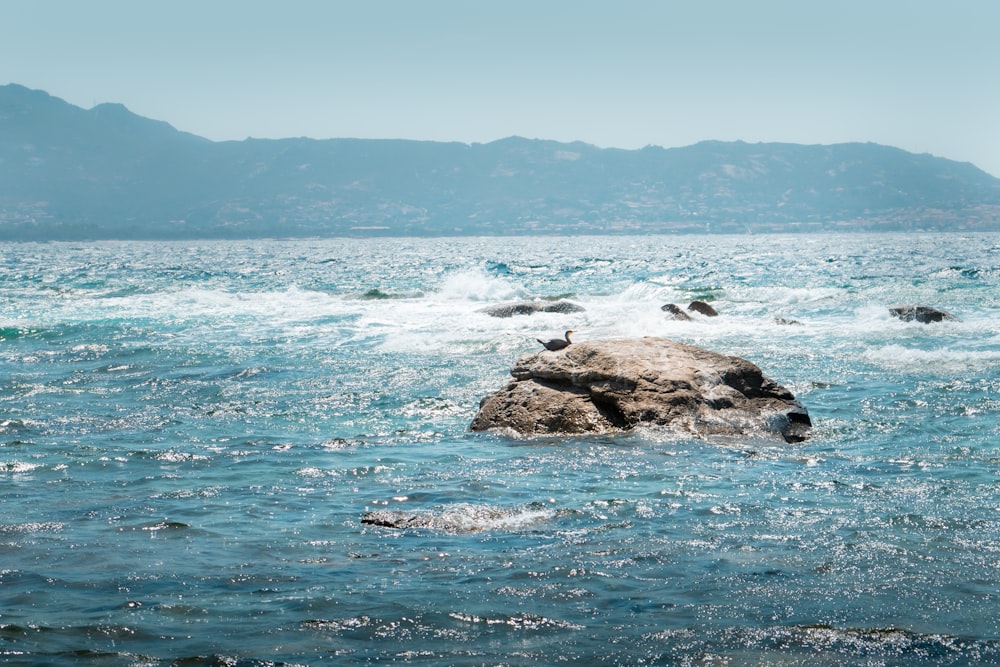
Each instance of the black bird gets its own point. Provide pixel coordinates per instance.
(556, 343)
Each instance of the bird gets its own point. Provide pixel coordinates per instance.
(556, 343)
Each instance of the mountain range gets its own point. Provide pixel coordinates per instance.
(106, 173)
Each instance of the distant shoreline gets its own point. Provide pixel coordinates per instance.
(106, 173)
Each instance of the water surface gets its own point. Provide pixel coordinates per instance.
(191, 433)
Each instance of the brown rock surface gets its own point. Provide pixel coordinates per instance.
(606, 386)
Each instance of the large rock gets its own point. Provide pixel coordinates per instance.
(605, 386)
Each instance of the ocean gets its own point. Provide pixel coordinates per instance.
(192, 432)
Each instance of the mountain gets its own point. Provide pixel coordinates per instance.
(70, 173)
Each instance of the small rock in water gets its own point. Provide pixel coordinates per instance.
(703, 308)
(531, 307)
(675, 311)
(923, 314)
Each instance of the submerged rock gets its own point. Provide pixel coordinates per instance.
(924, 314)
(674, 311)
(608, 386)
(531, 307)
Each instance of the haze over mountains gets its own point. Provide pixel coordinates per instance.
(69, 173)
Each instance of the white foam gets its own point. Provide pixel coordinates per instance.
(19, 467)
(900, 357)
(465, 518)
(478, 286)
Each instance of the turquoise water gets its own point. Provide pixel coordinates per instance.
(191, 433)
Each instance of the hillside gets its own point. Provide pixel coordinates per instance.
(70, 173)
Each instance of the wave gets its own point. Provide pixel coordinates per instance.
(828, 645)
(478, 286)
(32, 527)
(941, 359)
(19, 467)
(462, 518)
(517, 622)
(436, 307)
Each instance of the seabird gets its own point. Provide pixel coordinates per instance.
(556, 343)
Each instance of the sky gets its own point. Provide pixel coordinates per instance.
(919, 75)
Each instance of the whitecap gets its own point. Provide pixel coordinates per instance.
(940, 359)
(517, 621)
(172, 456)
(32, 527)
(463, 518)
(19, 467)
(477, 285)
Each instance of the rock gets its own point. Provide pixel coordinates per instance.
(531, 307)
(924, 314)
(608, 386)
(703, 308)
(511, 309)
(535, 406)
(674, 311)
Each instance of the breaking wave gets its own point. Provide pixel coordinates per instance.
(462, 518)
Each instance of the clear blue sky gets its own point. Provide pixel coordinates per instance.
(920, 75)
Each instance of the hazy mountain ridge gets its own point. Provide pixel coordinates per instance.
(66, 172)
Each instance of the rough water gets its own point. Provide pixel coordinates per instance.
(191, 433)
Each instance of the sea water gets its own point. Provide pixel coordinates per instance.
(191, 434)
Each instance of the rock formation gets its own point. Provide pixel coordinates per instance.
(924, 314)
(531, 307)
(700, 307)
(608, 386)
(703, 308)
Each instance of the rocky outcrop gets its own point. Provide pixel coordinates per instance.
(700, 307)
(531, 307)
(923, 314)
(703, 308)
(608, 386)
